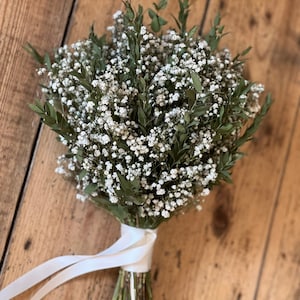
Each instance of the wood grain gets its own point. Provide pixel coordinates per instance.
(222, 249)
(64, 225)
(281, 270)
(21, 22)
(218, 253)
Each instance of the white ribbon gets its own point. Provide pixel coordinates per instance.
(132, 252)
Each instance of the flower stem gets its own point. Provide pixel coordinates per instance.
(133, 286)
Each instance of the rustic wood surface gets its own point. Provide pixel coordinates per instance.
(20, 22)
(245, 244)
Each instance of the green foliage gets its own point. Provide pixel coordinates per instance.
(53, 118)
(215, 34)
(199, 113)
(157, 22)
(34, 53)
(197, 82)
(181, 20)
(255, 124)
(161, 5)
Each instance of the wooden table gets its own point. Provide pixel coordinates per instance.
(245, 244)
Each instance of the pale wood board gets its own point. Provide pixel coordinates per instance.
(214, 254)
(224, 248)
(21, 22)
(281, 270)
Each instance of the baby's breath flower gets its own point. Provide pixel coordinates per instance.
(149, 120)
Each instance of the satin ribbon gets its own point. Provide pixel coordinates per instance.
(132, 252)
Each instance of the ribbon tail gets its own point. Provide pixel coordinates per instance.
(126, 257)
(132, 250)
(52, 266)
(37, 275)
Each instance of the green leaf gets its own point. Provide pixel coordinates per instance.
(246, 51)
(34, 53)
(161, 5)
(47, 61)
(221, 113)
(187, 118)
(79, 155)
(226, 176)
(50, 111)
(156, 21)
(162, 21)
(180, 128)
(82, 174)
(243, 53)
(183, 137)
(196, 81)
(199, 110)
(182, 16)
(225, 129)
(137, 200)
(215, 34)
(92, 187)
(155, 26)
(125, 184)
(152, 14)
(256, 122)
(142, 117)
(217, 20)
(36, 109)
(129, 12)
(191, 96)
(192, 32)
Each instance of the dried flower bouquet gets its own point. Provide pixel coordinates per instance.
(152, 118)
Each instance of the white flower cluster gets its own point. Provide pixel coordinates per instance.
(150, 136)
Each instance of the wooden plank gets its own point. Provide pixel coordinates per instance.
(281, 272)
(218, 254)
(215, 254)
(41, 24)
(58, 223)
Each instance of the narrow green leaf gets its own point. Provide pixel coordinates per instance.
(50, 110)
(187, 118)
(221, 113)
(193, 31)
(180, 128)
(47, 61)
(256, 122)
(129, 12)
(34, 53)
(162, 21)
(196, 81)
(246, 51)
(36, 109)
(226, 128)
(152, 14)
(161, 4)
(92, 187)
(155, 26)
(142, 116)
(191, 96)
(82, 174)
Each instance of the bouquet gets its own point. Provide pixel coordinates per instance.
(151, 118)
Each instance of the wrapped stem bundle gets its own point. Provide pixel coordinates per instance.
(152, 119)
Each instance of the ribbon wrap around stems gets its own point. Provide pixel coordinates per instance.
(132, 252)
